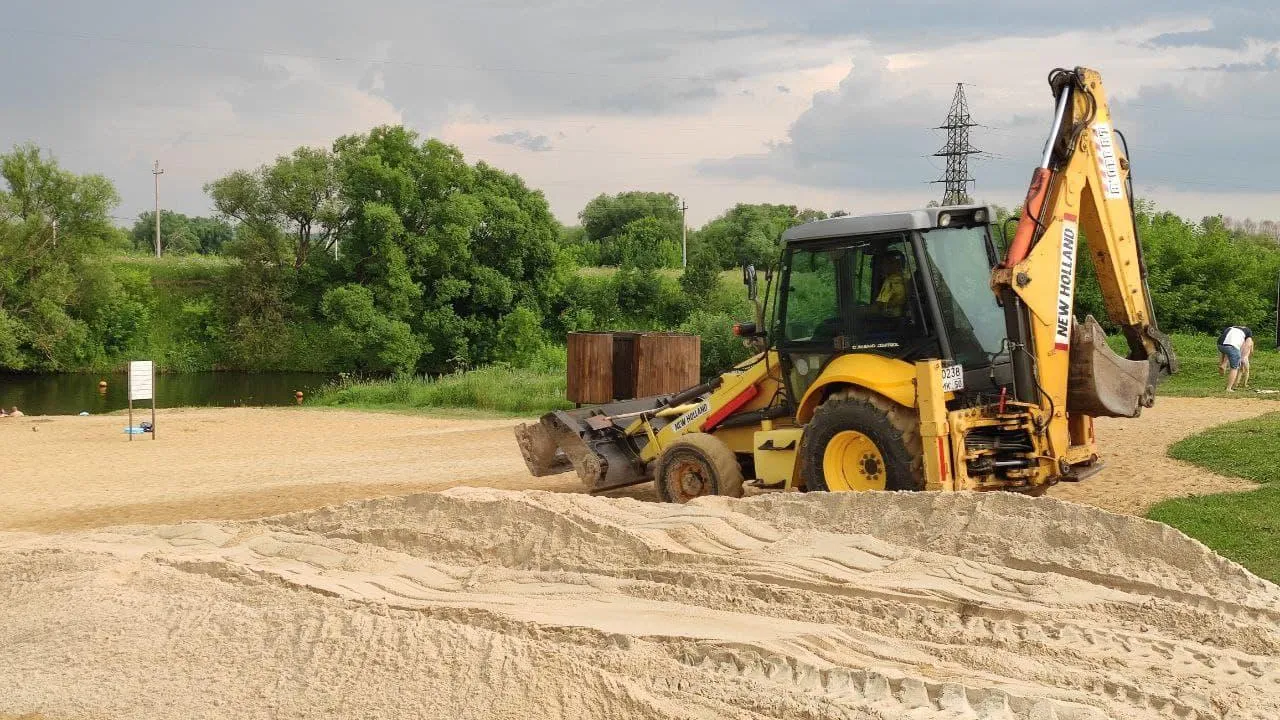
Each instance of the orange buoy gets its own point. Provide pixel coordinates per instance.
(298, 396)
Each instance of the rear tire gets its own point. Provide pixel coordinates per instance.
(695, 465)
(861, 441)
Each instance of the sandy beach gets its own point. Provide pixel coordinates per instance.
(291, 563)
(68, 472)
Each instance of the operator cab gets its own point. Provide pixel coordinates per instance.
(906, 285)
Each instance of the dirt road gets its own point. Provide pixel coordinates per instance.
(64, 473)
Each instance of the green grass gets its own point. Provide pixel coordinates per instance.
(1198, 375)
(1242, 526)
(1249, 449)
(495, 389)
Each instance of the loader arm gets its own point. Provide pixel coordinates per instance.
(1060, 364)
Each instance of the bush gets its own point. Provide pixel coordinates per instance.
(496, 388)
(721, 349)
(520, 338)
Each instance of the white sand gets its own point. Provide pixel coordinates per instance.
(480, 603)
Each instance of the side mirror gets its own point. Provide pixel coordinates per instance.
(749, 279)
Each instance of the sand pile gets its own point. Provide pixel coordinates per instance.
(484, 603)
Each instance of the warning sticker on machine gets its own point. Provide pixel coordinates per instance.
(1108, 166)
(1066, 280)
(684, 420)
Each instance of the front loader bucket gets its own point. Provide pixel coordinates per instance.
(541, 452)
(589, 441)
(1101, 383)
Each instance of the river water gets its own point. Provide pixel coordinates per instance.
(73, 393)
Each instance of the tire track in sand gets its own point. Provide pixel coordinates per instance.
(475, 603)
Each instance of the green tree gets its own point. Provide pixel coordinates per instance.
(211, 233)
(645, 245)
(176, 234)
(447, 248)
(520, 338)
(750, 233)
(60, 307)
(297, 199)
(606, 216)
(702, 274)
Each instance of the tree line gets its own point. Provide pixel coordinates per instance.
(387, 252)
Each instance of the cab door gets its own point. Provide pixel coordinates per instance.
(812, 306)
(852, 295)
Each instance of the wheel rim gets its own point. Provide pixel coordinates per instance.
(853, 462)
(688, 478)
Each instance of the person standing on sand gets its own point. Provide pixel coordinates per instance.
(1235, 345)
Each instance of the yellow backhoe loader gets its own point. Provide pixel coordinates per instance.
(902, 353)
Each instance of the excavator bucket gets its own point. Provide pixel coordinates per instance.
(590, 441)
(1101, 383)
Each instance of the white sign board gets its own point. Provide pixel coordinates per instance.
(140, 379)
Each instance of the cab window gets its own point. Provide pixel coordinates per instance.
(886, 309)
(812, 298)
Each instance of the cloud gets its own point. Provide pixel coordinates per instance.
(1207, 132)
(1269, 63)
(1233, 25)
(852, 136)
(523, 139)
(722, 101)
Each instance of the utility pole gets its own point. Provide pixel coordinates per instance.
(957, 150)
(157, 172)
(684, 234)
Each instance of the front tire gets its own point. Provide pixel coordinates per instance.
(857, 441)
(695, 465)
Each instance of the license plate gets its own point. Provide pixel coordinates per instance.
(952, 378)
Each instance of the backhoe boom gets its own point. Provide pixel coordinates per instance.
(1080, 192)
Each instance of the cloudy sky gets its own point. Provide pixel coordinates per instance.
(822, 103)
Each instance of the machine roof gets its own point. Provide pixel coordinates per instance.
(924, 219)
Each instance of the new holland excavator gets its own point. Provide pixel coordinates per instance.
(903, 353)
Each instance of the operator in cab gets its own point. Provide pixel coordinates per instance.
(891, 301)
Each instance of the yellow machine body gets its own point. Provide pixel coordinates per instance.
(777, 435)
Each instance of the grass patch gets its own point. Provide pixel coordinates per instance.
(1198, 375)
(1242, 526)
(495, 389)
(1249, 449)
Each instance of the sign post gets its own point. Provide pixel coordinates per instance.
(142, 380)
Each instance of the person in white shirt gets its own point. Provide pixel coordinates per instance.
(1235, 345)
